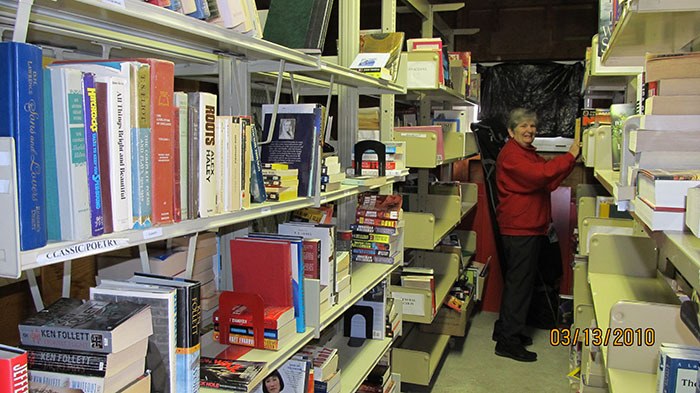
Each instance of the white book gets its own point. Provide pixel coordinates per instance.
(205, 104)
(647, 140)
(458, 117)
(71, 163)
(163, 303)
(659, 220)
(119, 154)
(180, 101)
(234, 166)
(232, 13)
(669, 122)
(90, 384)
(222, 129)
(245, 164)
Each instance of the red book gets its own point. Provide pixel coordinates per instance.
(274, 316)
(263, 267)
(311, 249)
(13, 370)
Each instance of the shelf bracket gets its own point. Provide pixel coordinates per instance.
(106, 48)
(191, 249)
(24, 9)
(278, 91)
(295, 88)
(143, 255)
(34, 289)
(67, 273)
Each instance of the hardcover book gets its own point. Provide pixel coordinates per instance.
(295, 140)
(275, 316)
(94, 326)
(92, 153)
(91, 384)
(13, 370)
(180, 101)
(189, 320)
(21, 103)
(298, 25)
(162, 301)
(204, 105)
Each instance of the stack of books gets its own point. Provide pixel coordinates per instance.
(331, 173)
(94, 346)
(326, 371)
(206, 256)
(379, 380)
(661, 197)
(395, 160)
(344, 271)
(377, 232)
(422, 278)
(281, 182)
(279, 322)
(393, 321)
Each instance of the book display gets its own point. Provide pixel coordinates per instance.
(625, 266)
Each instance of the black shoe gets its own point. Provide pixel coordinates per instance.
(525, 341)
(515, 352)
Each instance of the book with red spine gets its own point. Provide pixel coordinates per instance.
(275, 316)
(14, 377)
(311, 251)
(381, 214)
(263, 267)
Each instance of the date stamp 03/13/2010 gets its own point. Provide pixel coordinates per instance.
(617, 337)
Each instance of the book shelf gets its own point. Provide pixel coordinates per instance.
(657, 26)
(356, 363)
(418, 356)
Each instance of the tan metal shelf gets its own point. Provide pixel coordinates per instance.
(425, 230)
(418, 355)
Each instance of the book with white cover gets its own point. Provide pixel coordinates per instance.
(205, 104)
(71, 164)
(658, 219)
(180, 101)
(119, 154)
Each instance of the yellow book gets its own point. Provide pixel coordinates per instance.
(281, 194)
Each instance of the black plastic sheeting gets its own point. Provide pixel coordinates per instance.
(552, 90)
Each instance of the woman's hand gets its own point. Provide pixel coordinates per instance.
(575, 148)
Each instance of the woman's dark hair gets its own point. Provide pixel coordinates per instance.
(273, 374)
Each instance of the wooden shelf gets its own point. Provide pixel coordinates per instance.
(355, 363)
(418, 355)
(656, 26)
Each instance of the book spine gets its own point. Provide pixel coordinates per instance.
(162, 86)
(103, 144)
(381, 214)
(257, 188)
(59, 361)
(66, 338)
(206, 105)
(14, 374)
(376, 238)
(187, 352)
(246, 321)
(249, 341)
(312, 259)
(234, 164)
(246, 158)
(193, 158)
(21, 103)
(372, 229)
(248, 331)
(377, 222)
(87, 384)
(71, 166)
(177, 180)
(141, 149)
(180, 99)
(373, 164)
(93, 154)
(372, 258)
(371, 245)
(202, 10)
(53, 216)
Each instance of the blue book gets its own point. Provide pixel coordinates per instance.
(679, 368)
(202, 11)
(257, 185)
(21, 105)
(93, 154)
(297, 274)
(53, 216)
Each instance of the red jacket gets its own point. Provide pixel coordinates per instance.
(525, 181)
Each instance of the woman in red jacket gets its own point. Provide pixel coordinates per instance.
(525, 181)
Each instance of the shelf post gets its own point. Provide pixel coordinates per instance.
(67, 270)
(24, 9)
(34, 289)
(386, 101)
(234, 86)
(348, 97)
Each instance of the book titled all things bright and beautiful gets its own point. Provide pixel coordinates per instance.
(22, 110)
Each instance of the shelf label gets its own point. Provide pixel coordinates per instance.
(151, 233)
(414, 135)
(116, 3)
(413, 304)
(266, 210)
(80, 250)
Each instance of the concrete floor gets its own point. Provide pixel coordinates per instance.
(471, 365)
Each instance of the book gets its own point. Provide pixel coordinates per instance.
(264, 267)
(219, 373)
(659, 219)
(84, 363)
(296, 25)
(292, 376)
(667, 141)
(295, 140)
(92, 153)
(281, 194)
(618, 114)
(36, 387)
(673, 105)
(21, 103)
(91, 384)
(678, 368)
(373, 64)
(672, 87)
(311, 250)
(189, 320)
(666, 188)
(180, 101)
(275, 316)
(324, 360)
(94, 326)
(257, 187)
(13, 369)
(390, 43)
(71, 158)
(204, 113)
(163, 304)
(374, 299)
(673, 65)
